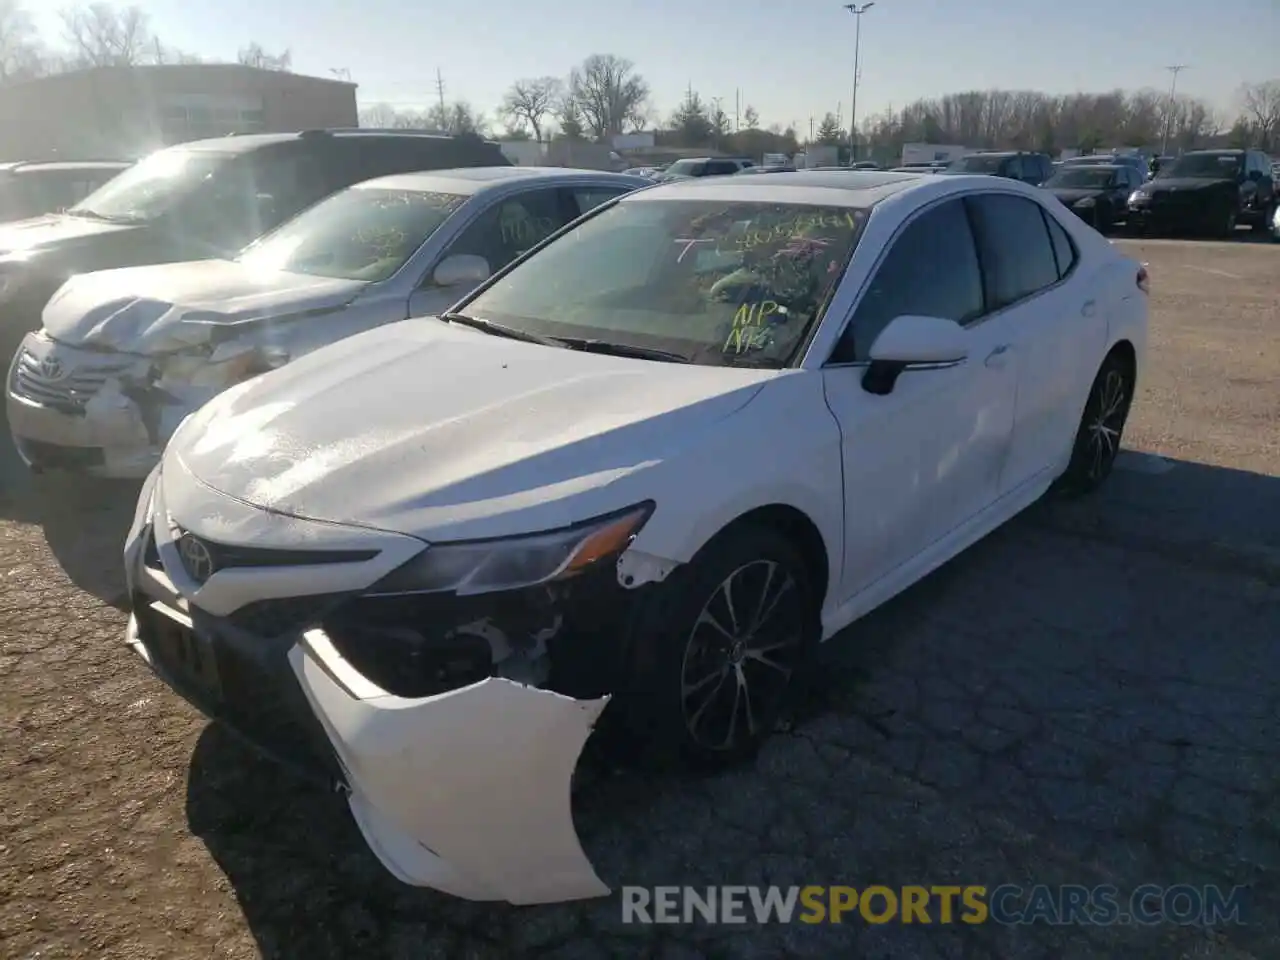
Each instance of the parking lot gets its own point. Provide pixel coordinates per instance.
(1088, 697)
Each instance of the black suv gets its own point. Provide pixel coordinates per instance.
(29, 188)
(1032, 168)
(205, 199)
(1207, 191)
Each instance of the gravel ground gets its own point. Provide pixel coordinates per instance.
(1086, 697)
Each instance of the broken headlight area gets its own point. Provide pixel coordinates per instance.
(545, 610)
(563, 637)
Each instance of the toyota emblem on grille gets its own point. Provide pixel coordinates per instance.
(51, 368)
(196, 558)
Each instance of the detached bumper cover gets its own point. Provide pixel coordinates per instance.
(481, 774)
(466, 792)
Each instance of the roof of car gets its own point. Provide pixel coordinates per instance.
(844, 188)
(471, 180)
(1223, 151)
(16, 165)
(245, 143)
(1109, 165)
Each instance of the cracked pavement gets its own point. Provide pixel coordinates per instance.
(1088, 696)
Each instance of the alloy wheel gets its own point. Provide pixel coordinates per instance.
(740, 655)
(1110, 407)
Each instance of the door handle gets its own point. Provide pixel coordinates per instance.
(1089, 308)
(997, 356)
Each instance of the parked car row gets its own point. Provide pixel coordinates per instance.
(457, 458)
(452, 461)
(123, 355)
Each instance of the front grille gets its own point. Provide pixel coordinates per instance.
(288, 615)
(259, 699)
(69, 392)
(224, 556)
(49, 456)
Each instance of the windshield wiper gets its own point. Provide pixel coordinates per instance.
(622, 350)
(499, 329)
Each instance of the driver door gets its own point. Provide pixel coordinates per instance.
(924, 458)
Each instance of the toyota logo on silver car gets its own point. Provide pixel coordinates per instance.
(51, 368)
(196, 558)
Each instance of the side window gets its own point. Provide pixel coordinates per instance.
(1012, 168)
(292, 181)
(1017, 253)
(1064, 251)
(931, 270)
(511, 226)
(588, 198)
(717, 168)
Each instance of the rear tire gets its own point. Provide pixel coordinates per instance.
(1101, 428)
(715, 649)
(1263, 223)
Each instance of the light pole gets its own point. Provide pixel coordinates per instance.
(857, 12)
(1176, 69)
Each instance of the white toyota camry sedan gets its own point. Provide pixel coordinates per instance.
(648, 466)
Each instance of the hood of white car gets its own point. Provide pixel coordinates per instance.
(155, 309)
(440, 431)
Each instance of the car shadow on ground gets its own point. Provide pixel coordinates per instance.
(84, 521)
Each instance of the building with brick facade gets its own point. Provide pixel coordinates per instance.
(126, 112)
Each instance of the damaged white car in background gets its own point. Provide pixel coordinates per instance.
(639, 474)
(124, 355)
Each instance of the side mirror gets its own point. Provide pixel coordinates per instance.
(913, 341)
(461, 269)
(920, 340)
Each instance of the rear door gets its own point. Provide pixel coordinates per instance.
(1033, 282)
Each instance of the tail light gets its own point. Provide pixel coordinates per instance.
(1144, 280)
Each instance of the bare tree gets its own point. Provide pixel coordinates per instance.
(379, 116)
(22, 56)
(1261, 102)
(254, 56)
(102, 35)
(751, 118)
(531, 101)
(569, 115)
(456, 118)
(609, 94)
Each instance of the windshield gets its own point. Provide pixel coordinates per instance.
(1084, 177)
(722, 283)
(1214, 166)
(153, 186)
(363, 233)
(684, 168)
(977, 164)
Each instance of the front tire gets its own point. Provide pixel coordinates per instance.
(716, 648)
(1101, 428)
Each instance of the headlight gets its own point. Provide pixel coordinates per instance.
(1138, 195)
(1086, 202)
(488, 566)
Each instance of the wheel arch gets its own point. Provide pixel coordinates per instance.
(798, 527)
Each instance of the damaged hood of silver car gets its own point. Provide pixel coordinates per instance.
(154, 309)
(427, 428)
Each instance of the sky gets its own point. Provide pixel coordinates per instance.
(788, 60)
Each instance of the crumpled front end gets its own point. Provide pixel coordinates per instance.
(110, 413)
(457, 774)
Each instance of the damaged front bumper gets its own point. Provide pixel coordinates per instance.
(464, 790)
(90, 411)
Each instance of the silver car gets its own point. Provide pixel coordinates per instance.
(125, 355)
